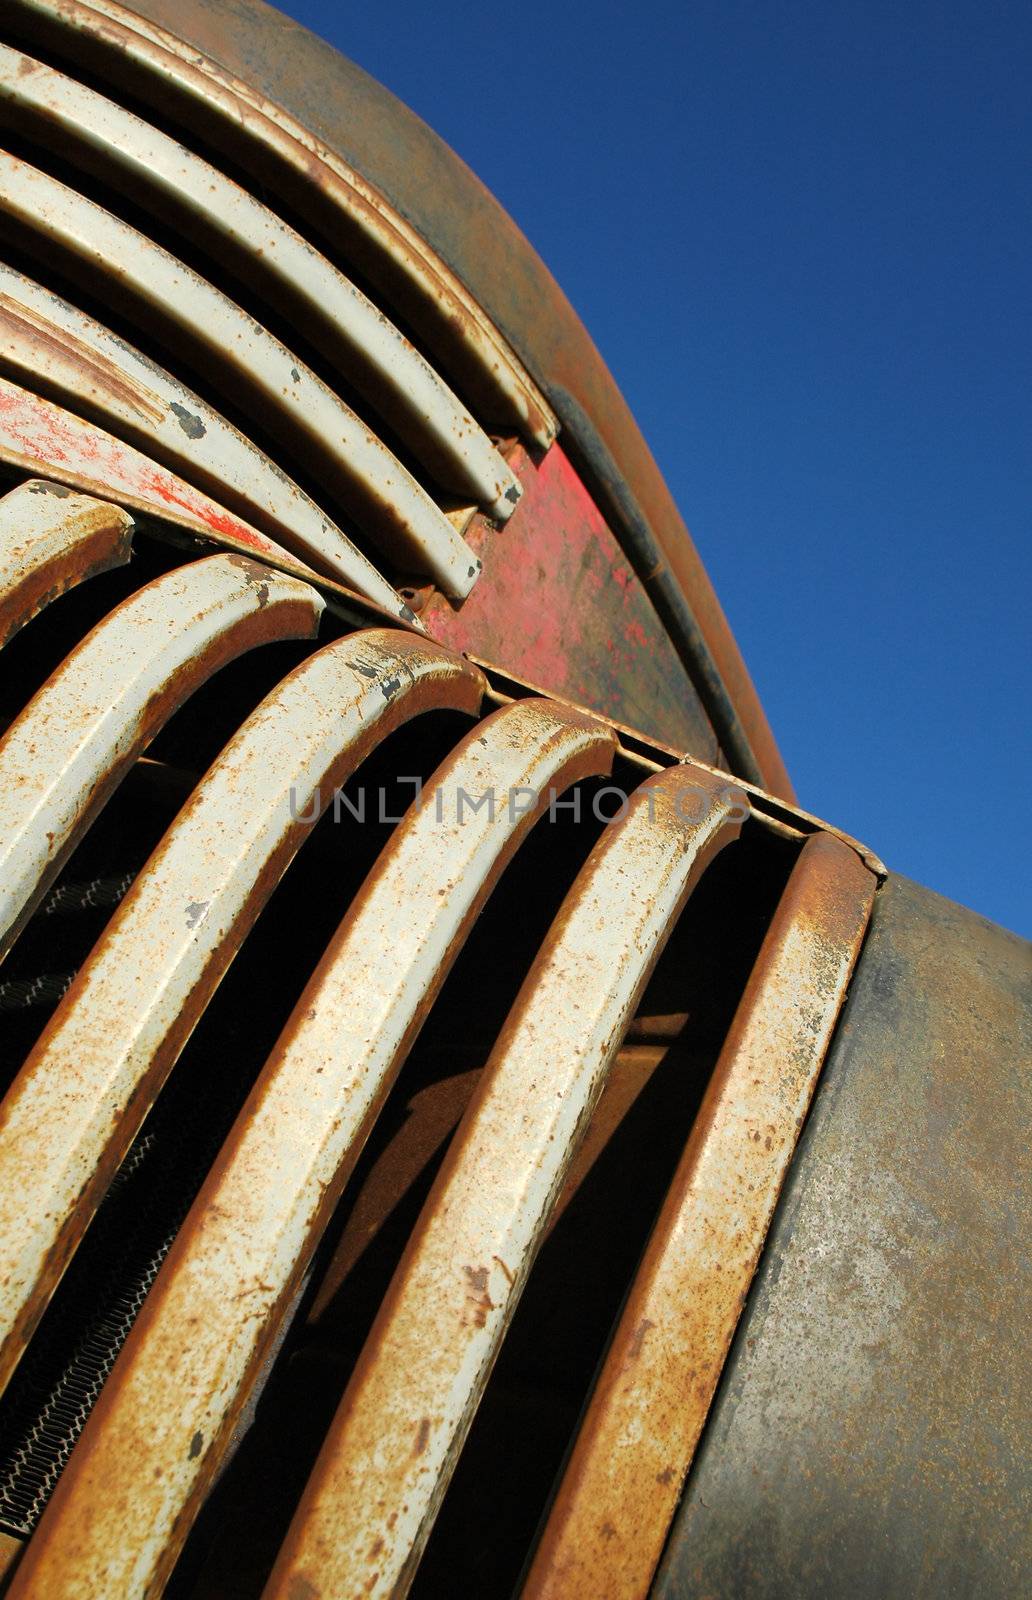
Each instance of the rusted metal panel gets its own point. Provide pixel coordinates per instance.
(10, 1551)
(166, 1415)
(395, 510)
(69, 749)
(383, 364)
(46, 343)
(375, 1490)
(340, 120)
(386, 244)
(40, 437)
(50, 540)
(870, 1435)
(619, 1491)
(86, 1087)
(561, 606)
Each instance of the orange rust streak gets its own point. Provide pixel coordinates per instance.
(45, 438)
(29, 333)
(621, 1487)
(99, 537)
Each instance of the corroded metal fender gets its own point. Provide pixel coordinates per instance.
(464, 1128)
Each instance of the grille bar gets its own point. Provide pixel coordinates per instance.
(65, 754)
(369, 349)
(382, 1473)
(40, 437)
(188, 1365)
(446, 315)
(393, 507)
(183, 1389)
(51, 540)
(618, 1494)
(45, 341)
(83, 1092)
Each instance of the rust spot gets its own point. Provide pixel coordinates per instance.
(639, 1338)
(479, 1298)
(76, 361)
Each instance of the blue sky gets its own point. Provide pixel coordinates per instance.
(801, 236)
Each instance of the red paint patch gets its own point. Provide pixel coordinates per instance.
(36, 432)
(558, 605)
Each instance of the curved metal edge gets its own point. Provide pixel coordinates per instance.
(43, 438)
(50, 540)
(347, 455)
(235, 109)
(620, 1488)
(870, 1433)
(52, 445)
(48, 345)
(65, 754)
(390, 1452)
(372, 351)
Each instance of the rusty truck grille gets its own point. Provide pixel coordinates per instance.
(364, 1157)
(227, 362)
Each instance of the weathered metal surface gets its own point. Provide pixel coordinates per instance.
(619, 1491)
(340, 120)
(127, 1498)
(50, 540)
(388, 248)
(870, 1436)
(65, 754)
(43, 438)
(45, 342)
(393, 508)
(372, 353)
(560, 606)
(10, 1552)
(388, 1457)
(86, 1087)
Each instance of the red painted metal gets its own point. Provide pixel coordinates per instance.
(559, 605)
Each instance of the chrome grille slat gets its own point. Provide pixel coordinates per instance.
(66, 752)
(397, 511)
(258, 1217)
(439, 302)
(172, 1402)
(43, 439)
(45, 341)
(376, 357)
(621, 1487)
(120, 1028)
(50, 540)
(387, 1460)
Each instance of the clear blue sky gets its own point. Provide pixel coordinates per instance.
(801, 235)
